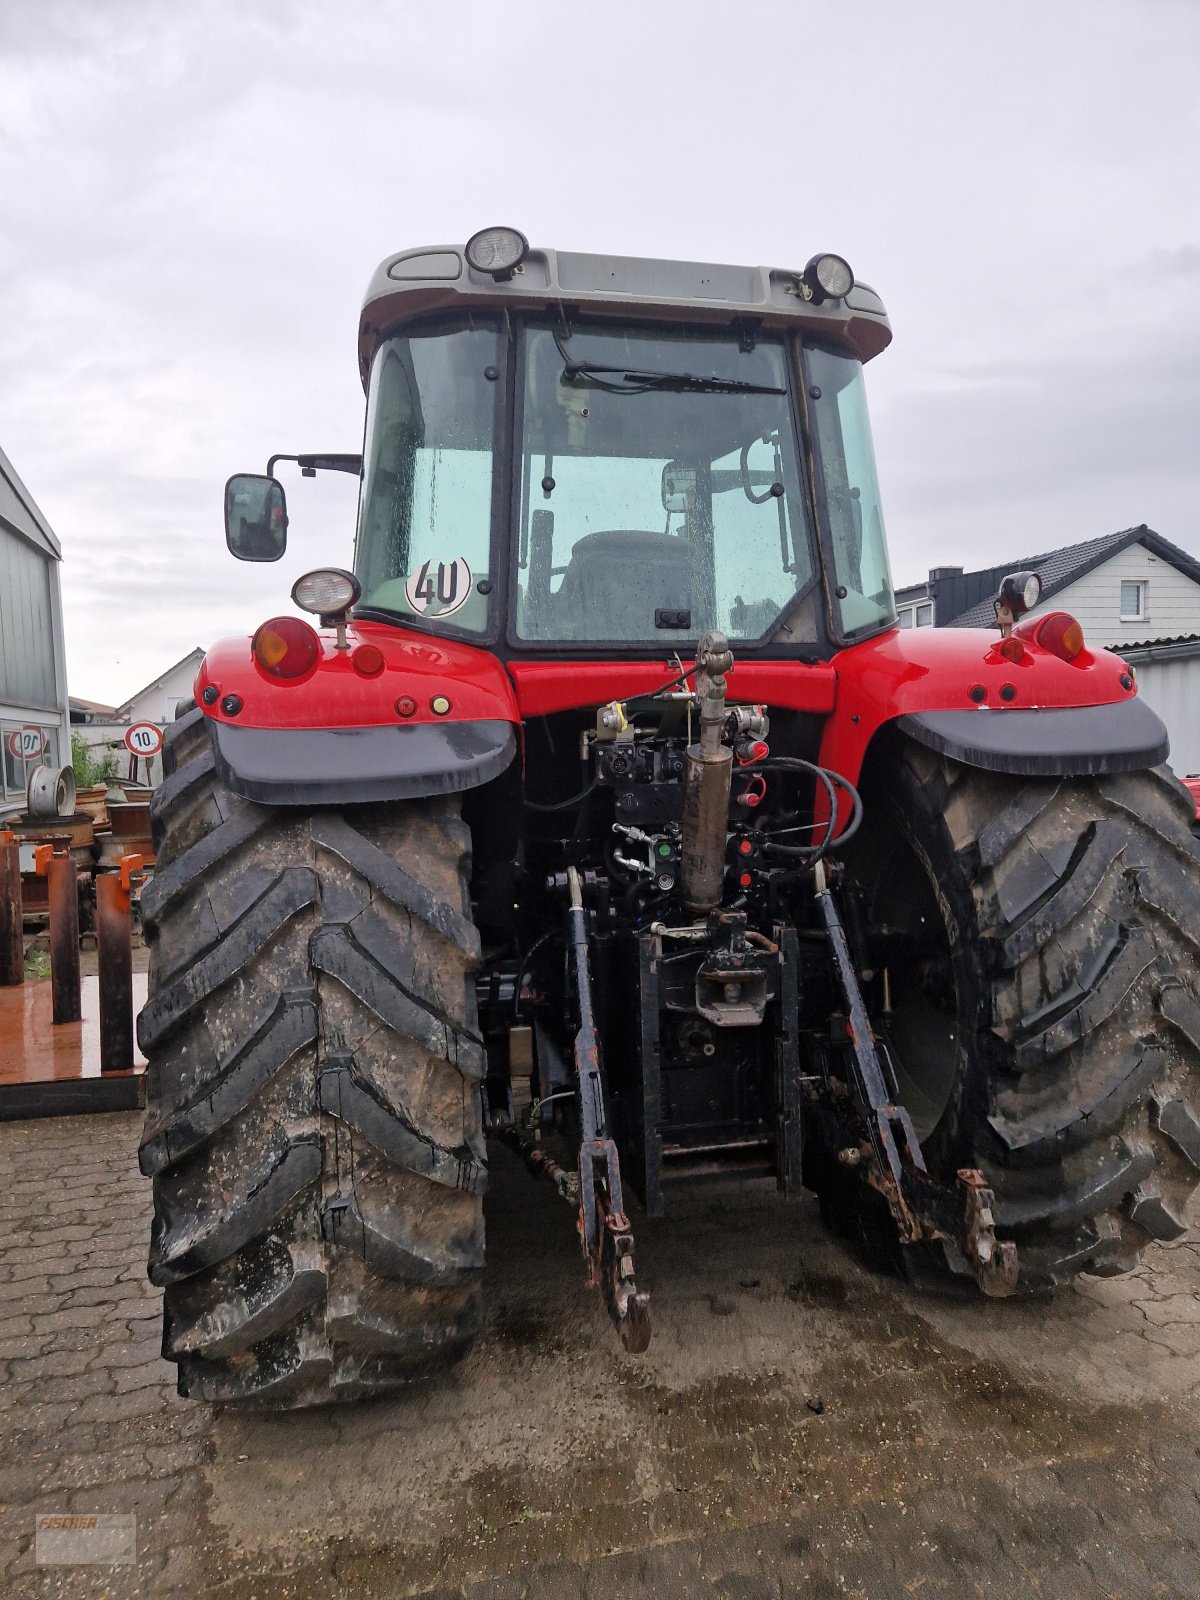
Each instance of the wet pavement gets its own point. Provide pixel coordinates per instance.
(35, 1049)
(799, 1426)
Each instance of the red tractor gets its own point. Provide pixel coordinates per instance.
(606, 809)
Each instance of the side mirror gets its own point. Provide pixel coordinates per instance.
(255, 517)
(678, 487)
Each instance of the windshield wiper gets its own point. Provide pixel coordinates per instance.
(631, 380)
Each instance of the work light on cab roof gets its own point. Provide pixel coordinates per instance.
(499, 251)
(828, 277)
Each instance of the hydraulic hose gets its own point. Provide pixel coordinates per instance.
(830, 782)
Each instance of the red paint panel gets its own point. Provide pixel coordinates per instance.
(858, 691)
(935, 669)
(547, 686)
(334, 695)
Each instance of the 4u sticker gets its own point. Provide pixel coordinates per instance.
(439, 589)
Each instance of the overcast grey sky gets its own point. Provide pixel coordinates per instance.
(192, 198)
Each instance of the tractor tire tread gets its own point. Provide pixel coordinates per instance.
(1078, 901)
(313, 1125)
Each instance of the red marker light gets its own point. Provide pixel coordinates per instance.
(367, 660)
(286, 647)
(746, 880)
(406, 705)
(745, 846)
(1060, 634)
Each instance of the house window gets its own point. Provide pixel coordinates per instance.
(905, 614)
(24, 746)
(925, 616)
(1133, 602)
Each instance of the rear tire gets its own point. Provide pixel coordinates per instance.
(1053, 926)
(313, 1125)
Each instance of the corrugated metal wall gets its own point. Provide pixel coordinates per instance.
(1172, 688)
(26, 625)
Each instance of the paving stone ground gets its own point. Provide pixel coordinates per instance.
(798, 1427)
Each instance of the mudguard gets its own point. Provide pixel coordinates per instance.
(1071, 742)
(954, 690)
(437, 717)
(331, 766)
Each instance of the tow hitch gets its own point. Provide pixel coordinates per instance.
(922, 1208)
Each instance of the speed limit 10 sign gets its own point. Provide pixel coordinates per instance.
(143, 739)
(27, 743)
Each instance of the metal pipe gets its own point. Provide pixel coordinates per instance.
(12, 946)
(63, 884)
(114, 948)
(706, 783)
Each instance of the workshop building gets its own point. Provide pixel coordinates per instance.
(34, 724)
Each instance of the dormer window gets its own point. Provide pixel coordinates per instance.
(1133, 601)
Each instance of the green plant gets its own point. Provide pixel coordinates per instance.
(88, 766)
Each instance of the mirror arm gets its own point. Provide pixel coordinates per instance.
(311, 464)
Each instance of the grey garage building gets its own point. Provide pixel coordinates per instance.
(34, 722)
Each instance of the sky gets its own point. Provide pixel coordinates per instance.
(193, 198)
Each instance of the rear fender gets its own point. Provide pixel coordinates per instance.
(338, 735)
(952, 690)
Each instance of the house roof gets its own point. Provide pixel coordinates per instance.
(1183, 647)
(19, 511)
(965, 599)
(93, 706)
(196, 656)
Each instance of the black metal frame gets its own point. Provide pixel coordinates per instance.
(639, 1113)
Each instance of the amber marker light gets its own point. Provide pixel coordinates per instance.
(285, 647)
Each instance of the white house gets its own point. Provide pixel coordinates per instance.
(161, 699)
(34, 726)
(1133, 592)
(157, 702)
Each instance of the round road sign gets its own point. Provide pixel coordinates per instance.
(27, 744)
(143, 739)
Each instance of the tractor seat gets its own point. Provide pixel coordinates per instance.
(615, 581)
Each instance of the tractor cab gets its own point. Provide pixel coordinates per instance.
(579, 453)
(628, 486)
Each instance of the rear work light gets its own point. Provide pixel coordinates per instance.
(286, 647)
(329, 591)
(1060, 634)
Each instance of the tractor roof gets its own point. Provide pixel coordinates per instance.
(438, 278)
